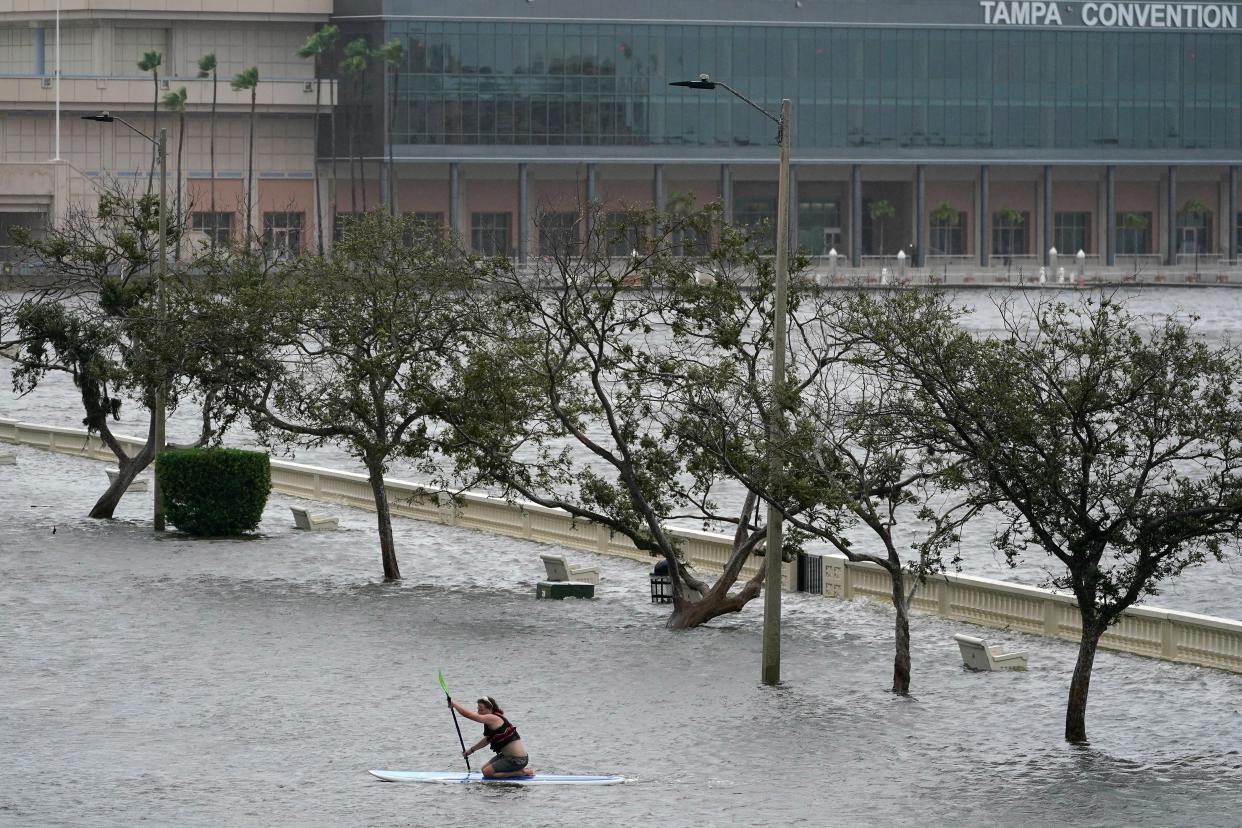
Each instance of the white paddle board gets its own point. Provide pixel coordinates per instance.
(476, 777)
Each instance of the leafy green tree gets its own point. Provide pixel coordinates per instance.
(208, 68)
(361, 344)
(318, 46)
(97, 321)
(570, 361)
(150, 62)
(1113, 444)
(844, 462)
(248, 79)
(176, 102)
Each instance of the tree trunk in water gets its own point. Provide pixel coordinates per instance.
(901, 636)
(388, 551)
(1080, 685)
(688, 613)
(107, 503)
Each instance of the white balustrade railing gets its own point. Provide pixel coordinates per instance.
(1147, 631)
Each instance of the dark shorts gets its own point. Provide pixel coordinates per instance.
(508, 764)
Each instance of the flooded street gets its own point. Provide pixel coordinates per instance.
(254, 682)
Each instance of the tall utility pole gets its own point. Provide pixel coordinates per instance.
(771, 661)
(162, 310)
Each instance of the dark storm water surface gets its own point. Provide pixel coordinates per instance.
(253, 683)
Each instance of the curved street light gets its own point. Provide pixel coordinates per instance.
(771, 659)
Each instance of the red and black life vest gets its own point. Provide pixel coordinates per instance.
(501, 736)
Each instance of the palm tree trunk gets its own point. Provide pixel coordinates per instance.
(362, 163)
(392, 170)
(315, 163)
(250, 172)
(155, 128)
(180, 147)
(211, 149)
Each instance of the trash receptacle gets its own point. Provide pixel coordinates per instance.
(661, 583)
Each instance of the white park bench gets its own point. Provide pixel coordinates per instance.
(558, 569)
(138, 484)
(977, 655)
(303, 519)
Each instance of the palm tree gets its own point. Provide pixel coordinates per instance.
(176, 102)
(392, 54)
(880, 211)
(207, 69)
(150, 62)
(249, 79)
(317, 46)
(354, 66)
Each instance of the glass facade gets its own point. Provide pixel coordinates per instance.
(528, 83)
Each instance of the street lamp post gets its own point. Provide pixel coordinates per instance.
(771, 660)
(160, 393)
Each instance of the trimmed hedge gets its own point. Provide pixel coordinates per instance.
(214, 492)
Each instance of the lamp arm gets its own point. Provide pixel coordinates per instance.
(742, 97)
(135, 129)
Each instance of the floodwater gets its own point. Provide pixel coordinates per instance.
(1211, 589)
(253, 682)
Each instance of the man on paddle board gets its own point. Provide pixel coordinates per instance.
(511, 758)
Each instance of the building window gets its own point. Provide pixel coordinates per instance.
(1071, 232)
(1194, 231)
(1237, 235)
(1133, 234)
(282, 233)
(489, 233)
(819, 226)
(948, 235)
(558, 233)
(689, 241)
(1009, 234)
(217, 227)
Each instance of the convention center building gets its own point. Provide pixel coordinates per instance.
(956, 131)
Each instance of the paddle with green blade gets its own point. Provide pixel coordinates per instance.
(444, 687)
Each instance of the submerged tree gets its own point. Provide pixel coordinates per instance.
(97, 321)
(564, 404)
(1113, 445)
(845, 463)
(361, 343)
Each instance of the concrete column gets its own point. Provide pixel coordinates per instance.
(1109, 242)
(856, 215)
(657, 191)
(1231, 221)
(793, 210)
(1045, 230)
(726, 192)
(1170, 218)
(984, 223)
(920, 215)
(454, 205)
(523, 216)
(592, 196)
